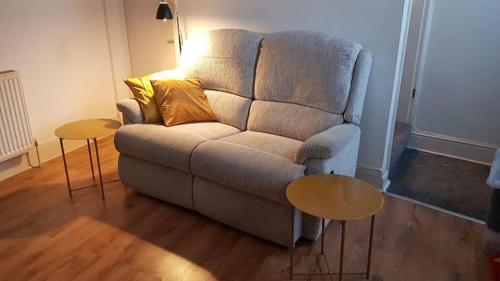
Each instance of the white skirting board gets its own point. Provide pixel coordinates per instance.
(376, 177)
(48, 151)
(452, 147)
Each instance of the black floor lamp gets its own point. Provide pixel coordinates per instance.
(164, 13)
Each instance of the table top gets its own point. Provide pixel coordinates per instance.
(87, 129)
(334, 197)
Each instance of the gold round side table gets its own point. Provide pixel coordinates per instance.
(89, 129)
(338, 198)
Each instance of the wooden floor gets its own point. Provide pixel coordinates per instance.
(46, 236)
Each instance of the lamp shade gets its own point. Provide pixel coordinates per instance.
(164, 12)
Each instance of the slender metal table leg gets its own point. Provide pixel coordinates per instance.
(65, 168)
(99, 169)
(322, 236)
(341, 266)
(323, 248)
(91, 162)
(370, 248)
(290, 245)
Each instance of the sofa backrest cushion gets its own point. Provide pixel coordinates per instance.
(290, 120)
(305, 79)
(307, 68)
(229, 109)
(223, 60)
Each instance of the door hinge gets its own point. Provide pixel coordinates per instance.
(413, 93)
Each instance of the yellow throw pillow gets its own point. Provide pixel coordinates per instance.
(143, 91)
(182, 101)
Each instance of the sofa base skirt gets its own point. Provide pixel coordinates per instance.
(258, 216)
(161, 182)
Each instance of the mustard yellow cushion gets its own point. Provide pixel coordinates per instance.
(182, 101)
(143, 91)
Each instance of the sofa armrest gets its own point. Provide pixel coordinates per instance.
(131, 110)
(327, 144)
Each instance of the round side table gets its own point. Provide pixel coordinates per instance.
(338, 198)
(89, 129)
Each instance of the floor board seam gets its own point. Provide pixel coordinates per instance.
(434, 207)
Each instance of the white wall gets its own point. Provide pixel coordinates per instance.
(118, 44)
(64, 55)
(375, 24)
(458, 99)
(150, 50)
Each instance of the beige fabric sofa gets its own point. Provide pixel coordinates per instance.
(287, 104)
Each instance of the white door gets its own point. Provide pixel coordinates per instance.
(458, 85)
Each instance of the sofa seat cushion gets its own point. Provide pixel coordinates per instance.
(168, 146)
(207, 130)
(245, 168)
(281, 146)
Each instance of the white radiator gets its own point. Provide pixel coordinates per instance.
(15, 131)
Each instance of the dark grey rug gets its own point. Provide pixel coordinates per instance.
(452, 184)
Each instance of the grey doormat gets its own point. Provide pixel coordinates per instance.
(448, 183)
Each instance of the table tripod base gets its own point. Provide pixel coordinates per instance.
(340, 274)
(101, 182)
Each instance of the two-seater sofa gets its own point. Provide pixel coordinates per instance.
(287, 104)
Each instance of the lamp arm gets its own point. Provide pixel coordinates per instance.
(179, 34)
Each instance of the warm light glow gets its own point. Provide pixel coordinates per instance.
(171, 266)
(195, 47)
(175, 74)
(168, 264)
